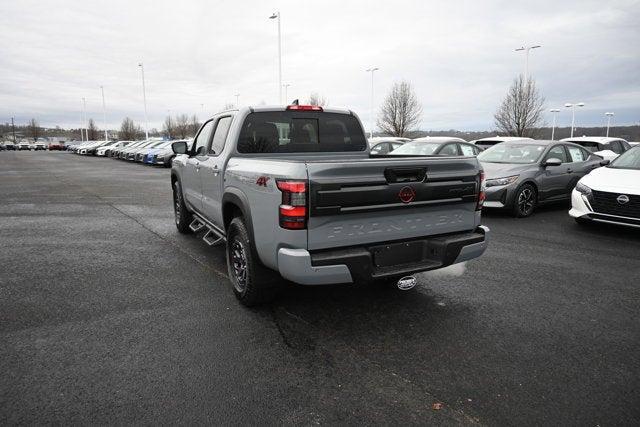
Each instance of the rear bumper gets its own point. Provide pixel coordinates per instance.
(360, 263)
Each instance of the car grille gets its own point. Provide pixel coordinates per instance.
(607, 203)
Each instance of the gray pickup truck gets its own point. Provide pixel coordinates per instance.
(294, 192)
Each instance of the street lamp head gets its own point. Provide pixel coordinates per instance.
(580, 104)
(535, 47)
(274, 15)
(139, 64)
(372, 69)
(608, 114)
(568, 104)
(519, 49)
(554, 110)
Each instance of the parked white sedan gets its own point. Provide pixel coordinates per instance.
(607, 148)
(611, 193)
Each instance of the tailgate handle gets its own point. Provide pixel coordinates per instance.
(405, 174)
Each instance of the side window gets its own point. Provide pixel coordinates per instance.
(558, 152)
(220, 135)
(468, 150)
(576, 154)
(202, 140)
(625, 145)
(616, 147)
(382, 148)
(395, 145)
(449, 150)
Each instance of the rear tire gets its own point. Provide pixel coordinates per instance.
(182, 216)
(525, 201)
(253, 284)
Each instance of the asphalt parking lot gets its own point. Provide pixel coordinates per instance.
(108, 315)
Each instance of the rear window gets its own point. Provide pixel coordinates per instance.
(300, 132)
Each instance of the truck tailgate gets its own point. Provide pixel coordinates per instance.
(356, 202)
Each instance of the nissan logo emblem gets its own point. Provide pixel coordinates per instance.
(407, 194)
(623, 199)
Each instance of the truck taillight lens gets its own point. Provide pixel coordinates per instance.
(481, 194)
(293, 210)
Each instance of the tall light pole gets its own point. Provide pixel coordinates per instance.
(554, 111)
(372, 70)
(104, 114)
(169, 127)
(526, 50)
(573, 113)
(84, 117)
(609, 115)
(275, 15)
(286, 86)
(13, 130)
(237, 95)
(144, 98)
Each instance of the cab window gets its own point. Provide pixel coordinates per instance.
(616, 147)
(220, 135)
(202, 140)
(449, 150)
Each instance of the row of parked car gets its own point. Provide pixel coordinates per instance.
(149, 151)
(523, 173)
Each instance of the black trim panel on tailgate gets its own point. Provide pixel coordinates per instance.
(340, 198)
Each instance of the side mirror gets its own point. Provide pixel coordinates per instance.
(179, 147)
(604, 162)
(552, 162)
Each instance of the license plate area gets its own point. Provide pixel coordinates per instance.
(397, 254)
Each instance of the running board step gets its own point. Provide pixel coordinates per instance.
(211, 238)
(196, 225)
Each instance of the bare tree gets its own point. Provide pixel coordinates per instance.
(182, 126)
(33, 129)
(129, 130)
(400, 111)
(316, 99)
(194, 125)
(169, 128)
(92, 131)
(521, 111)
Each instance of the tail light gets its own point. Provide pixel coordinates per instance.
(304, 107)
(293, 210)
(481, 194)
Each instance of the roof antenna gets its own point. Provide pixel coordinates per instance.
(295, 102)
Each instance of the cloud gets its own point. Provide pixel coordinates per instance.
(459, 56)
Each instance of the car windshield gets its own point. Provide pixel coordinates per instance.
(512, 153)
(417, 148)
(627, 160)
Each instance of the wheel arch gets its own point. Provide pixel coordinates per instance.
(235, 202)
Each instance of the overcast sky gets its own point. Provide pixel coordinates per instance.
(459, 56)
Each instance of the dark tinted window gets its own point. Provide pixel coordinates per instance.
(589, 145)
(300, 132)
(616, 147)
(220, 135)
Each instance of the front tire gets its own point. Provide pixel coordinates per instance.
(182, 216)
(253, 284)
(525, 201)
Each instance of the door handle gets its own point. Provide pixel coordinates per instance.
(569, 170)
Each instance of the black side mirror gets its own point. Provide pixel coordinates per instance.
(552, 162)
(604, 162)
(179, 147)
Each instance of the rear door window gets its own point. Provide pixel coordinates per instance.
(577, 154)
(468, 150)
(300, 132)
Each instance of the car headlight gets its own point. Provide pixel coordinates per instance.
(501, 181)
(581, 188)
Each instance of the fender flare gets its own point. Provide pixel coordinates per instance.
(236, 197)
